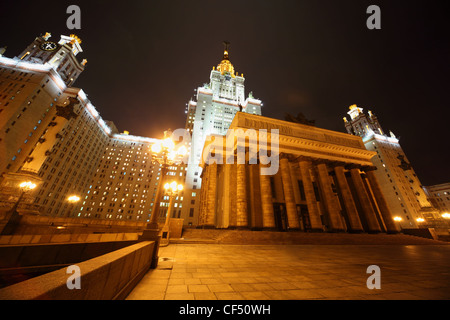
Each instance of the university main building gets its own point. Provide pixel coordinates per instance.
(52, 136)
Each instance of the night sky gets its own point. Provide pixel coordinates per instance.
(145, 58)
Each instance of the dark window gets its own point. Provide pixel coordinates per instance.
(272, 186)
(302, 190)
(316, 191)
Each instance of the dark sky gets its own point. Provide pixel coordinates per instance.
(145, 58)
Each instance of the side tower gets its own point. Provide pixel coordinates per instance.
(61, 56)
(400, 184)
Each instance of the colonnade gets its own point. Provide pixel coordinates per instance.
(339, 196)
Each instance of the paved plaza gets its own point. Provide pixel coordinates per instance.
(296, 272)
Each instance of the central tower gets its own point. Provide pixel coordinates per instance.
(225, 82)
(211, 113)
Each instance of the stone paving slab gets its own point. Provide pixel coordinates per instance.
(296, 272)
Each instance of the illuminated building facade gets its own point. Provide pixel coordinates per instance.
(439, 196)
(401, 185)
(325, 181)
(51, 134)
(212, 113)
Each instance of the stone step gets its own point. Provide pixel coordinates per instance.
(225, 236)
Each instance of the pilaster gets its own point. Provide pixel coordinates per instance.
(350, 207)
(330, 200)
(368, 211)
(314, 214)
(291, 208)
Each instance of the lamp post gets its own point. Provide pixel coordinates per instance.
(14, 217)
(165, 153)
(172, 190)
(72, 200)
(398, 219)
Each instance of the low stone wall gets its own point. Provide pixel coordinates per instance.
(22, 256)
(40, 225)
(36, 224)
(66, 237)
(110, 276)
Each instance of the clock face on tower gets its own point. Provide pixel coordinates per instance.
(48, 46)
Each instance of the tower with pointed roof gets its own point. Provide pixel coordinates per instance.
(60, 55)
(399, 182)
(211, 113)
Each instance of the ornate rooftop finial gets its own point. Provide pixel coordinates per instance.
(225, 65)
(75, 37)
(225, 53)
(46, 36)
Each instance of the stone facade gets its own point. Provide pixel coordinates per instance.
(324, 182)
(52, 135)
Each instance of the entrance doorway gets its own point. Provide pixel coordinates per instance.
(303, 216)
(279, 211)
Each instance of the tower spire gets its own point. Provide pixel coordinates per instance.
(225, 65)
(225, 53)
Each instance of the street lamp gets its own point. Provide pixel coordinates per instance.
(398, 220)
(165, 153)
(26, 186)
(72, 200)
(446, 215)
(172, 190)
(14, 217)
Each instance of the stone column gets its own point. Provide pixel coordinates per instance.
(203, 198)
(386, 214)
(210, 215)
(233, 195)
(314, 215)
(291, 209)
(329, 198)
(367, 208)
(266, 201)
(350, 207)
(254, 206)
(225, 221)
(241, 197)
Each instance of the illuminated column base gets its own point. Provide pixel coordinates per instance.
(391, 226)
(350, 207)
(289, 199)
(241, 200)
(330, 200)
(368, 211)
(210, 215)
(314, 215)
(266, 202)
